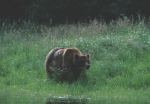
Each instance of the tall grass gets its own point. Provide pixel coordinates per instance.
(120, 62)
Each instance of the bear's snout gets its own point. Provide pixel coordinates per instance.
(87, 66)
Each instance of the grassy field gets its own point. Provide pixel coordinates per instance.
(120, 62)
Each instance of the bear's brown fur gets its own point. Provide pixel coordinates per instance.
(66, 59)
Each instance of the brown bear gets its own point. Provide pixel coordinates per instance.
(69, 61)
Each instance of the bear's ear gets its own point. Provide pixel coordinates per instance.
(87, 55)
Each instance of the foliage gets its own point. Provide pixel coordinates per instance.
(64, 11)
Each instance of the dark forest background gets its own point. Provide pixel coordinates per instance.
(62, 11)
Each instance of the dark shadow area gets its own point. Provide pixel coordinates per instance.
(74, 11)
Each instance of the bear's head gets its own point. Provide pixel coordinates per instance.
(81, 61)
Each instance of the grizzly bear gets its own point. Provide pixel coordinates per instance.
(66, 62)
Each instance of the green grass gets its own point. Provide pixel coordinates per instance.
(120, 62)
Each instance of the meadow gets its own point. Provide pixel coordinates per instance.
(119, 54)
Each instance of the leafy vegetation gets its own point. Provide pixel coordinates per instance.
(56, 11)
(120, 62)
